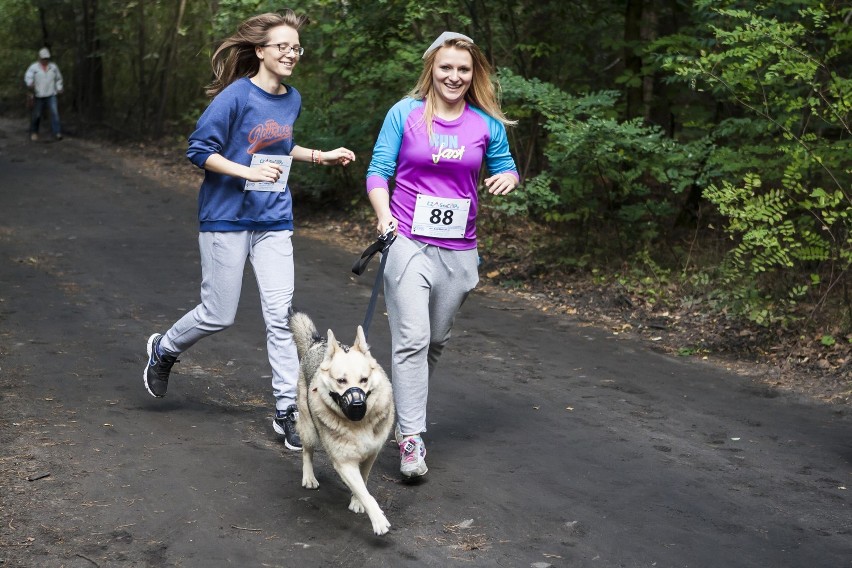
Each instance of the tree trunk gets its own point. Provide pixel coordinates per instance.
(88, 93)
(632, 60)
(45, 37)
(169, 69)
(141, 78)
(648, 35)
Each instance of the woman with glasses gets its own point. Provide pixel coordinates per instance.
(245, 143)
(435, 141)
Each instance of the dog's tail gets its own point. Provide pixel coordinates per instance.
(304, 332)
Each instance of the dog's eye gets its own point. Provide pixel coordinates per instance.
(364, 380)
(341, 381)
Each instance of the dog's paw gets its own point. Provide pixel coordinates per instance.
(310, 482)
(381, 525)
(355, 505)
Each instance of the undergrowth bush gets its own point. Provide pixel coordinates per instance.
(789, 217)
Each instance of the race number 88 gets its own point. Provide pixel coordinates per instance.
(437, 219)
(440, 217)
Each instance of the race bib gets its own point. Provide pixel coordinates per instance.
(281, 185)
(440, 217)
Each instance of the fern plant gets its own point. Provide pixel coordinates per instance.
(790, 220)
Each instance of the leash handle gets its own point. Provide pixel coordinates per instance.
(382, 243)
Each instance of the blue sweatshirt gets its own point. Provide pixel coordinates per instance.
(241, 121)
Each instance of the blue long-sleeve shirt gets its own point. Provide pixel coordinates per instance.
(241, 121)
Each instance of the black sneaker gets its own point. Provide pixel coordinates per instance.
(284, 424)
(157, 370)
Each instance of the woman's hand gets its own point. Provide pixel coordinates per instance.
(264, 172)
(267, 171)
(340, 156)
(501, 184)
(386, 224)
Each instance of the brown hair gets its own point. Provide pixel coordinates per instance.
(482, 92)
(236, 57)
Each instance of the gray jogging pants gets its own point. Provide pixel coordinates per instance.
(223, 259)
(425, 286)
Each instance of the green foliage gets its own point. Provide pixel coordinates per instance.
(789, 215)
(18, 50)
(136, 38)
(600, 172)
(537, 199)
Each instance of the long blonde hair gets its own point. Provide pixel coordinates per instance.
(236, 57)
(482, 92)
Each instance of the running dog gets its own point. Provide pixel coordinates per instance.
(346, 407)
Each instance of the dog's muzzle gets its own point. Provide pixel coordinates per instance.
(353, 403)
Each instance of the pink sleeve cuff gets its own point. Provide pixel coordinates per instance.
(375, 182)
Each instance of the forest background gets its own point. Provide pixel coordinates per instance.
(686, 165)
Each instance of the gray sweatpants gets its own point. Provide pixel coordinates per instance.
(424, 288)
(223, 259)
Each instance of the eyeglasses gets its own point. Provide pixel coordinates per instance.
(285, 49)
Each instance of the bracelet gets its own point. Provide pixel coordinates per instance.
(316, 156)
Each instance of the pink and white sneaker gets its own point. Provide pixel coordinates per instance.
(412, 457)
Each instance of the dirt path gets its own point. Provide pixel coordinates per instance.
(550, 443)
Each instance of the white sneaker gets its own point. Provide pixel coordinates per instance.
(412, 457)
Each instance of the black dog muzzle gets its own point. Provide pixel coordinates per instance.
(353, 403)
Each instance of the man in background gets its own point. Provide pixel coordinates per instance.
(44, 83)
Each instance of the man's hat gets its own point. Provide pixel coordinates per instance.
(44, 53)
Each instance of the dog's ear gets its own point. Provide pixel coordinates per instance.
(331, 348)
(361, 341)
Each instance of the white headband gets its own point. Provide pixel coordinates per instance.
(442, 38)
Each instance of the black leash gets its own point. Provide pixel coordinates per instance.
(382, 244)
